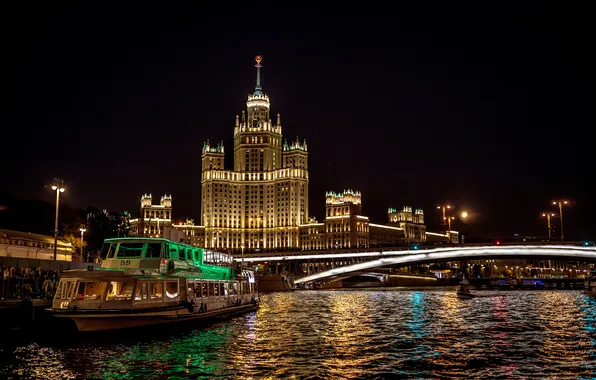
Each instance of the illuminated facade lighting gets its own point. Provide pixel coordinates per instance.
(262, 203)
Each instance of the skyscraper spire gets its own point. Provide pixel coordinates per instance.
(258, 89)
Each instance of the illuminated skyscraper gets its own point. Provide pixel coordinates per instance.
(260, 204)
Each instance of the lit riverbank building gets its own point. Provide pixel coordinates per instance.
(262, 203)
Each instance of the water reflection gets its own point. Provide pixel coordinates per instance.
(342, 335)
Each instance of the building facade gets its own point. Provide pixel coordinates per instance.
(19, 244)
(261, 203)
(345, 226)
(154, 217)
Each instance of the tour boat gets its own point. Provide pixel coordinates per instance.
(148, 281)
(464, 290)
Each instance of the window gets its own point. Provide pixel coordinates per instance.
(155, 291)
(64, 290)
(172, 289)
(142, 291)
(173, 252)
(91, 290)
(120, 291)
(132, 250)
(108, 250)
(153, 251)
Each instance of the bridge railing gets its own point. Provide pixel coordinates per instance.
(407, 247)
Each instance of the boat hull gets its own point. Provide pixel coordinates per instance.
(465, 295)
(88, 322)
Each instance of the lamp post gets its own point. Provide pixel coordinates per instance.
(82, 241)
(560, 203)
(58, 187)
(444, 208)
(449, 219)
(547, 215)
(242, 247)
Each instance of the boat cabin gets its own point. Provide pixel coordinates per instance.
(158, 254)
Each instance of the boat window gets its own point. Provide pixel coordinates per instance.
(205, 289)
(173, 252)
(156, 291)
(213, 289)
(91, 290)
(120, 291)
(130, 249)
(142, 293)
(234, 288)
(172, 289)
(153, 250)
(183, 254)
(108, 250)
(217, 258)
(64, 290)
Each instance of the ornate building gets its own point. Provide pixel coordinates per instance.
(153, 217)
(260, 204)
(346, 227)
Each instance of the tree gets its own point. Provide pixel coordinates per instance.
(103, 225)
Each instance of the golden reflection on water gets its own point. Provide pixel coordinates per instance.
(347, 334)
(349, 321)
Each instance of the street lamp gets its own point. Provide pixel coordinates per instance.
(560, 203)
(242, 246)
(58, 187)
(449, 219)
(547, 215)
(82, 240)
(444, 208)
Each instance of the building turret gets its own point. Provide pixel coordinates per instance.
(412, 223)
(345, 226)
(348, 196)
(166, 200)
(146, 200)
(213, 156)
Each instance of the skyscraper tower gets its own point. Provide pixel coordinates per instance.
(260, 204)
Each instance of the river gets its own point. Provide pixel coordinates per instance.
(348, 334)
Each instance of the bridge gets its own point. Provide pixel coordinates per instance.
(368, 260)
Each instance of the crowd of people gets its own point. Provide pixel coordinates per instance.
(28, 283)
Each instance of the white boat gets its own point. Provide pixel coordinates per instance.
(148, 281)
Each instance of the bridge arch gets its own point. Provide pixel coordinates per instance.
(457, 254)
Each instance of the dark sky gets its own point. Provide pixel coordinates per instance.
(489, 108)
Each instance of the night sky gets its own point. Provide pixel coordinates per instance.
(488, 108)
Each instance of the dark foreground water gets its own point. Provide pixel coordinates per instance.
(340, 335)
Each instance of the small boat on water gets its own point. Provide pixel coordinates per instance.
(148, 281)
(464, 290)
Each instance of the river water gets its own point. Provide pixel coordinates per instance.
(349, 334)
